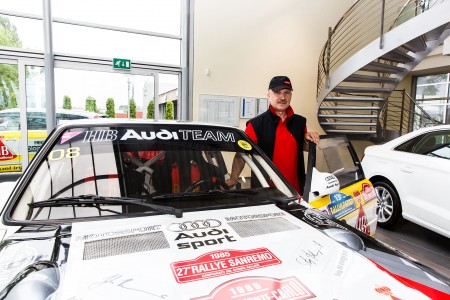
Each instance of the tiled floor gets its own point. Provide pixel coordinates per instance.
(424, 245)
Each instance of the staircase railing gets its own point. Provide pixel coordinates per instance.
(401, 114)
(364, 22)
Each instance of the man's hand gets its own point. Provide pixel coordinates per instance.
(312, 136)
(231, 182)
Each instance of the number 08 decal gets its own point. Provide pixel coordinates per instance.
(64, 153)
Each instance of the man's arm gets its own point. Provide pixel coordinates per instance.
(236, 169)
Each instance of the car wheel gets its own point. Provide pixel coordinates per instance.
(389, 209)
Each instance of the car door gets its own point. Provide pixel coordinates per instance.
(424, 177)
(355, 202)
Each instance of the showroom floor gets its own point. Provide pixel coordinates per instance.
(424, 245)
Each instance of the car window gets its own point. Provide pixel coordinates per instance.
(408, 145)
(333, 155)
(435, 144)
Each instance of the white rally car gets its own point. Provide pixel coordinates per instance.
(114, 209)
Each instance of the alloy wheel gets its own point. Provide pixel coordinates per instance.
(385, 204)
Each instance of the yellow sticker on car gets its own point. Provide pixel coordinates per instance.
(244, 145)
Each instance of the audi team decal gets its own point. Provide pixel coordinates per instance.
(108, 135)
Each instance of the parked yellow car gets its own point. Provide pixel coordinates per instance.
(10, 136)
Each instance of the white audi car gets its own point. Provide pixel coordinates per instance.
(411, 176)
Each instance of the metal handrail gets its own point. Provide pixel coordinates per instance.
(396, 115)
(360, 26)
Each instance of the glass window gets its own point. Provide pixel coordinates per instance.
(432, 96)
(333, 155)
(432, 91)
(435, 144)
(88, 90)
(161, 16)
(22, 33)
(407, 146)
(23, 6)
(114, 44)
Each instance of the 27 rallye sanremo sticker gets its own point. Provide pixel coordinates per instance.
(248, 253)
(219, 263)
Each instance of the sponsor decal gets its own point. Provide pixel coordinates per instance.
(255, 217)
(100, 136)
(359, 200)
(245, 145)
(69, 153)
(221, 263)
(200, 135)
(5, 153)
(11, 168)
(368, 192)
(193, 225)
(386, 291)
(67, 136)
(163, 134)
(212, 237)
(341, 204)
(320, 220)
(341, 264)
(260, 288)
(115, 233)
(332, 181)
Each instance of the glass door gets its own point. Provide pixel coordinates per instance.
(10, 158)
(22, 114)
(137, 94)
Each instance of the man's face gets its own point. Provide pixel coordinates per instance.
(280, 100)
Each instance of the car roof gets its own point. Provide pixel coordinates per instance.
(123, 121)
(412, 134)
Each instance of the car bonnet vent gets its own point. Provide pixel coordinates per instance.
(125, 245)
(263, 226)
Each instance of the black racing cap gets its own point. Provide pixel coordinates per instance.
(280, 82)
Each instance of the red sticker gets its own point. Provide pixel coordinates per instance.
(68, 136)
(259, 287)
(5, 153)
(368, 192)
(221, 263)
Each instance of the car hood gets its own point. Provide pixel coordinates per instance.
(258, 252)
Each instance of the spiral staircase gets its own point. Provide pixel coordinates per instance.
(368, 53)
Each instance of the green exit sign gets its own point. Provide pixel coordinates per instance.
(120, 63)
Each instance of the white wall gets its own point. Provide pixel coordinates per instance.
(244, 43)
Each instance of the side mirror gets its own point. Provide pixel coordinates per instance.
(322, 184)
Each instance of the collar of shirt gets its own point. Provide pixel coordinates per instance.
(289, 111)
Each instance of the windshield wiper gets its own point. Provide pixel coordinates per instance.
(206, 193)
(231, 193)
(93, 200)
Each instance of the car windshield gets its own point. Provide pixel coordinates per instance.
(184, 167)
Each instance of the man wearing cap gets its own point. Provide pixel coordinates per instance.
(281, 135)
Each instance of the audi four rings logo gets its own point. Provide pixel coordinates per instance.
(194, 225)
